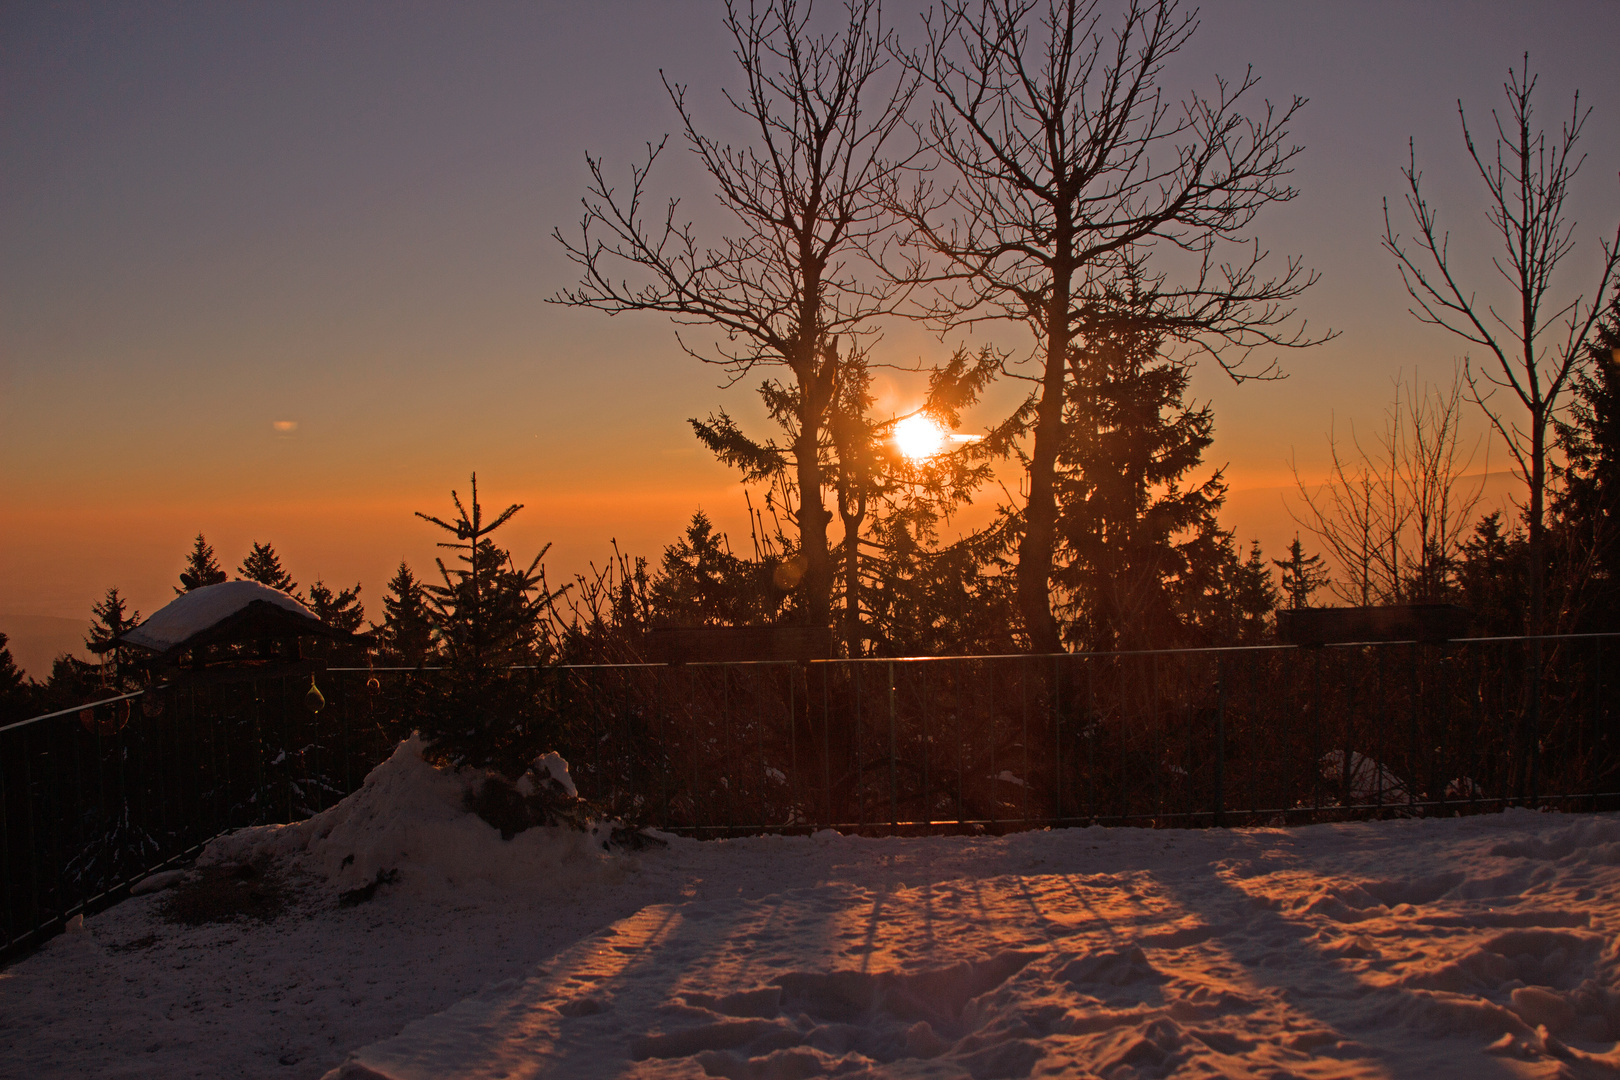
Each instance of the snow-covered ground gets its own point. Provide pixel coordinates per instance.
(1472, 947)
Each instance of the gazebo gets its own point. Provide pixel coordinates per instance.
(233, 624)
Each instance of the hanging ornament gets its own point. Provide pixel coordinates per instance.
(314, 700)
(151, 704)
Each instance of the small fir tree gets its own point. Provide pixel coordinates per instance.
(108, 620)
(264, 566)
(406, 633)
(201, 567)
(1492, 578)
(485, 611)
(1301, 575)
(16, 698)
(487, 614)
(340, 610)
(701, 583)
(1255, 596)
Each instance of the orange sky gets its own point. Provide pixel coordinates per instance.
(217, 218)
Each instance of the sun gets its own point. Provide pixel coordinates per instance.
(919, 438)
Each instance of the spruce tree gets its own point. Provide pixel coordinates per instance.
(487, 614)
(1301, 575)
(1131, 536)
(264, 566)
(11, 676)
(1255, 595)
(701, 583)
(1492, 578)
(108, 621)
(484, 611)
(201, 567)
(15, 696)
(406, 633)
(341, 610)
(1586, 508)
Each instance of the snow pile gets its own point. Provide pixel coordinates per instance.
(195, 611)
(409, 823)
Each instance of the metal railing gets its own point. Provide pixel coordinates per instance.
(94, 797)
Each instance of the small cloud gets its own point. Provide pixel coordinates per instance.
(285, 427)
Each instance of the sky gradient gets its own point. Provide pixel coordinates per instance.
(218, 218)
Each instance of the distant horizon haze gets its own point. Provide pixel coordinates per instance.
(278, 273)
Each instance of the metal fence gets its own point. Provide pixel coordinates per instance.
(95, 797)
(92, 798)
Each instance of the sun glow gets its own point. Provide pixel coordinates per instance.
(919, 438)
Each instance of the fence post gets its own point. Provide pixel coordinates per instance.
(1417, 704)
(961, 759)
(1023, 734)
(1158, 742)
(1534, 724)
(793, 741)
(1316, 733)
(32, 846)
(925, 711)
(826, 743)
(1057, 733)
(860, 758)
(894, 804)
(1220, 742)
(8, 876)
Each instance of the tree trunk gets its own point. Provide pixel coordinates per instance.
(852, 579)
(813, 520)
(1037, 549)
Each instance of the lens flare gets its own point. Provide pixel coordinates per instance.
(919, 438)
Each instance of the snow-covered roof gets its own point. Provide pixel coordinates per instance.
(201, 610)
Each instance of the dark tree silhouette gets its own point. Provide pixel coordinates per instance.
(1069, 167)
(1534, 348)
(1586, 507)
(889, 506)
(264, 566)
(16, 697)
(808, 195)
(1493, 577)
(341, 610)
(1128, 531)
(488, 618)
(487, 610)
(701, 582)
(1302, 575)
(1394, 515)
(108, 619)
(202, 568)
(406, 633)
(1254, 596)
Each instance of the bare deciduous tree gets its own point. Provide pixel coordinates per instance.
(808, 195)
(1533, 351)
(1394, 517)
(1070, 168)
